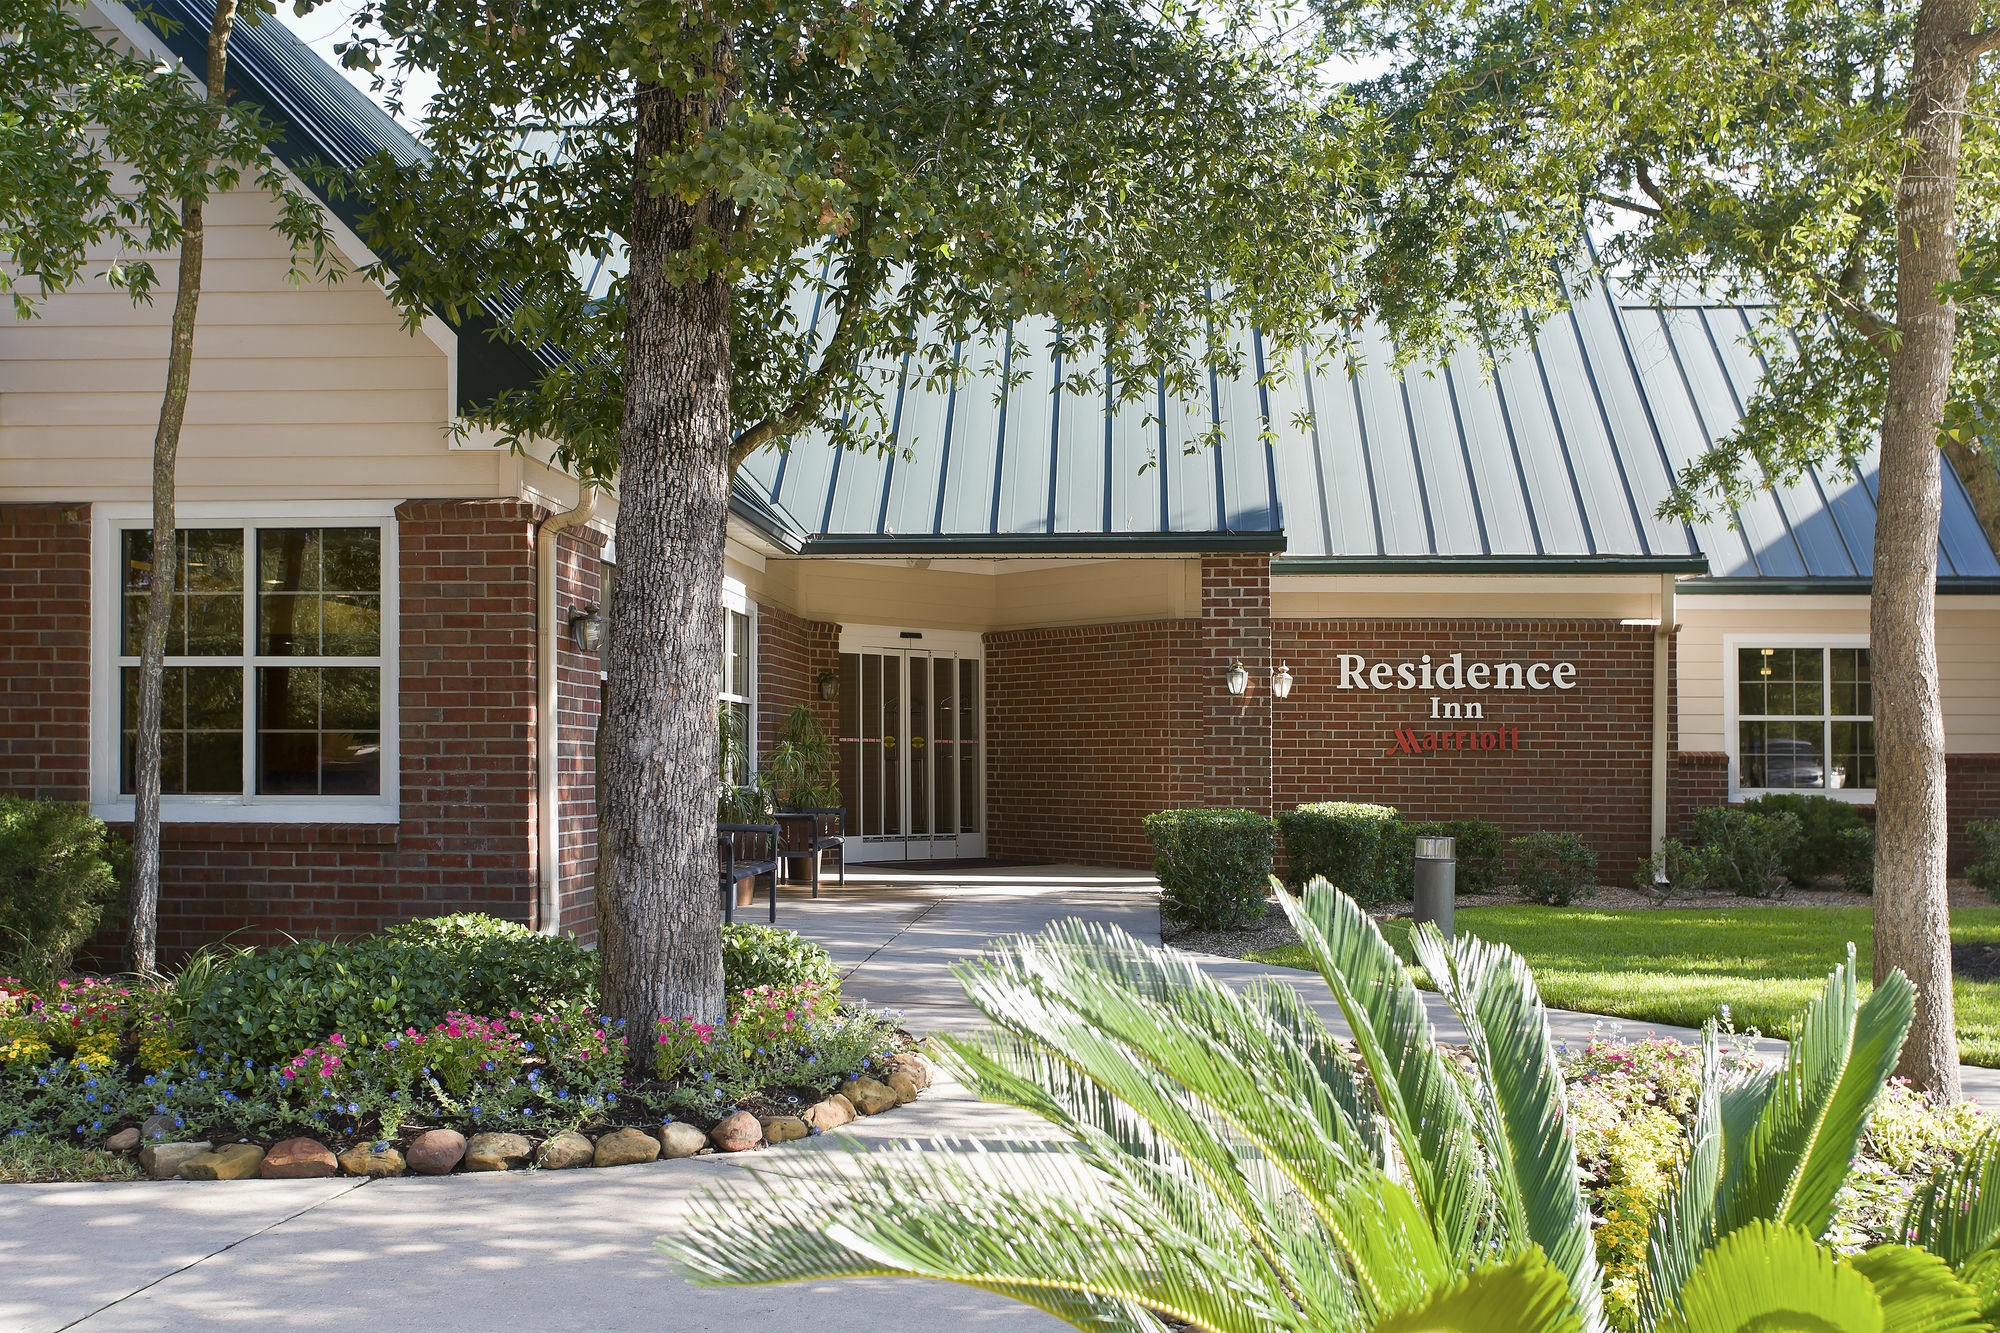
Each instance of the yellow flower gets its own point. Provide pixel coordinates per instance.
(27, 1049)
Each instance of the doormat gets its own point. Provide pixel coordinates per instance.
(972, 863)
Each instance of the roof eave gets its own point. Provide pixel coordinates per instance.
(1493, 564)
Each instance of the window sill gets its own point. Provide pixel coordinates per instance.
(1851, 795)
(226, 812)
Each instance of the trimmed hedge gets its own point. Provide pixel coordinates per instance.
(1982, 868)
(1833, 839)
(1554, 869)
(1750, 850)
(755, 955)
(1477, 847)
(1214, 866)
(1347, 842)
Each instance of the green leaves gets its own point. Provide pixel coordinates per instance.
(1766, 1276)
(1524, 1294)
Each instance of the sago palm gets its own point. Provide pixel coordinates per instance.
(1223, 1163)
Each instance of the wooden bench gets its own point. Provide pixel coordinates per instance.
(739, 857)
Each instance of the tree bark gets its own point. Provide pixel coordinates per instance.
(143, 935)
(1912, 924)
(658, 906)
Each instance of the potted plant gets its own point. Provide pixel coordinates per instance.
(800, 771)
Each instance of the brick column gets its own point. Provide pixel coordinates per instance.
(45, 651)
(1236, 729)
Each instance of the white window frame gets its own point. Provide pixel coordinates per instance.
(1731, 646)
(108, 522)
(736, 597)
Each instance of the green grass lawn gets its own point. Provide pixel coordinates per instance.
(1765, 963)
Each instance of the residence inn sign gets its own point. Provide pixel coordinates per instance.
(1453, 675)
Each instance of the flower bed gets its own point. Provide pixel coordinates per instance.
(169, 1071)
(1631, 1103)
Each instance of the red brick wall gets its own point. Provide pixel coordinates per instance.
(579, 582)
(1972, 791)
(1089, 730)
(45, 651)
(1699, 779)
(1583, 762)
(791, 654)
(466, 732)
(1236, 742)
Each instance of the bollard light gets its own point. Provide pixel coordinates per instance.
(1437, 875)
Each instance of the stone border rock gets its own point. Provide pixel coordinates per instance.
(441, 1152)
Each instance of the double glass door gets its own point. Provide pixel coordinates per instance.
(911, 763)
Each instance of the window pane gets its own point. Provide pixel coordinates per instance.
(1853, 755)
(352, 560)
(287, 763)
(738, 656)
(319, 731)
(207, 616)
(1853, 692)
(288, 560)
(287, 625)
(351, 625)
(1780, 754)
(201, 730)
(1752, 671)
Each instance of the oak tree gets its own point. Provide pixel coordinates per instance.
(1829, 163)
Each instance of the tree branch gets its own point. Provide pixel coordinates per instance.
(1976, 44)
(1629, 205)
(842, 350)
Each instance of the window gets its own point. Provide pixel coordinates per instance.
(1804, 719)
(735, 692)
(277, 690)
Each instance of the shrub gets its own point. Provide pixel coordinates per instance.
(271, 1003)
(1824, 846)
(1477, 847)
(767, 956)
(1214, 866)
(57, 875)
(1553, 868)
(1982, 868)
(1749, 850)
(1346, 842)
(1684, 867)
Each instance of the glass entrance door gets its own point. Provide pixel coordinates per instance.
(910, 755)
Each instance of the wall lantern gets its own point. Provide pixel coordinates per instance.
(829, 684)
(586, 627)
(1238, 678)
(1281, 681)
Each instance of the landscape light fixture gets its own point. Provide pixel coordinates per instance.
(1238, 678)
(1281, 681)
(586, 627)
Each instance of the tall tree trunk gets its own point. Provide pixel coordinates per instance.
(145, 927)
(1912, 925)
(658, 910)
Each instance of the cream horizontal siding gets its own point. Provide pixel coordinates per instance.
(299, 391)
(1103, 592)
(992, 595)
(1463, 597)
(1968, 659)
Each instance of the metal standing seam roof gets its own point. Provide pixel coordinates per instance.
(1558, 459)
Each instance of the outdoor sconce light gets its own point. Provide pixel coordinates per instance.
(829, 684)
(586, 627)
(1281, 681)
(1239, 678)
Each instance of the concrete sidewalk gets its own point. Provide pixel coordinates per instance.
(574, 1249)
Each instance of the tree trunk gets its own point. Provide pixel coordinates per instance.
(1912, 925)
(658, 908)
(144, 933)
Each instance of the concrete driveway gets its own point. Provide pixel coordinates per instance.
(574, 1249)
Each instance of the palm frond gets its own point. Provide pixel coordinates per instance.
(1035, 1224)
(1521, 1294)
(1421, 1099)
(1521, 1107)
(1956, 1215)
(1794, 1158)
(1765, 1277)
(1684, 1226)
(1918, 1292)
(1204, 1067)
